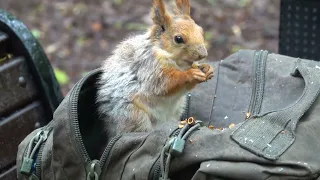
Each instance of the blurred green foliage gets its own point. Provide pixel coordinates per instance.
(61, 76)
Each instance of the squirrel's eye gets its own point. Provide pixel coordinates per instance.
(178, 39)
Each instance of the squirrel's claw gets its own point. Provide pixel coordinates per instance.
(207, 69)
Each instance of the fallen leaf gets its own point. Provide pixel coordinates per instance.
(236, 30)
(36, 33)
(118, 2)
(208, 36)
(96, 27)
(61, 76)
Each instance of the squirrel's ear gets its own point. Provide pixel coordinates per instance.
(159, 14)
(183, 7)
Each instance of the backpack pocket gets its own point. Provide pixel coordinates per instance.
(269, 135)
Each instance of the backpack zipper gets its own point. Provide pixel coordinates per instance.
(34, 154)
(185, 115)
(104, 158)
(258, 82)
(156, 169)
(27, 147)
(93, 167)
(176, 141)
(155, 172)
(39, 161)
(75, 130)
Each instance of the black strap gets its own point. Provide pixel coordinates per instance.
(271, 134)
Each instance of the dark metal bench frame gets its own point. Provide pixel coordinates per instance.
(299, 29)
(26, 73)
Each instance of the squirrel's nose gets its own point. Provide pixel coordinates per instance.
(202, 51)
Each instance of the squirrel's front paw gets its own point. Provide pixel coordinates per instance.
(207, 69)
(196, 75)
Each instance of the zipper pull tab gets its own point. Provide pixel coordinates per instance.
(26, 166)
(28, 160)
(40, 137)
(94, 170)
(42, 134)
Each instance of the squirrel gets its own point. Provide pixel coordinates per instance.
(144, 82)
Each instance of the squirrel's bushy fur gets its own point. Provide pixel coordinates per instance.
(145, 80)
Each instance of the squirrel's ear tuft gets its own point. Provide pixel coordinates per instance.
(159, 14)
(183, 7)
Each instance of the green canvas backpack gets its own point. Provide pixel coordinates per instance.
(272, 100)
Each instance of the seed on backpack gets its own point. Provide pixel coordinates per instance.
(191, 121)
(231, 126)
(183, 122)
(248, 115)
(211, 127)
(180, 126)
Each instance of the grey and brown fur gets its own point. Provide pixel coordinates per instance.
(145, 80)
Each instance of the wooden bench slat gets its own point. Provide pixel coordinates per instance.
(16, 85)
(15, 128)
